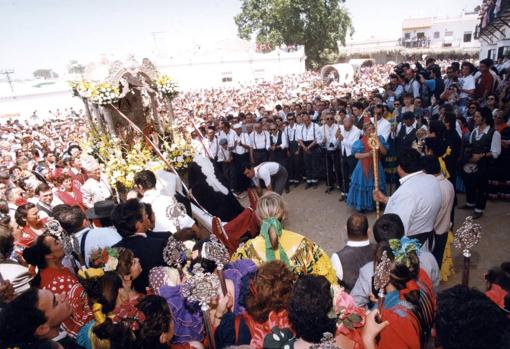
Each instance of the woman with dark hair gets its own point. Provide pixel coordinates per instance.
(409, 303)
(68, 191)
(498, 285)
(47, 253)
(311, 299)
(362, 179)
(32, 226)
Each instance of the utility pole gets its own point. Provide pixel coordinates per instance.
(7, 73)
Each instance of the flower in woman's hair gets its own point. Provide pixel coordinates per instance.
(111, 264)
(401, 248)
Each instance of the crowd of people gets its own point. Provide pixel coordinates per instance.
(82, 269)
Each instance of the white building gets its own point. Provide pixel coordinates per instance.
(493, 30)
(441, 33)
(423, 35)
(230, 62)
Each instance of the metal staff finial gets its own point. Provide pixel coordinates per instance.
(467, 236)
(202, 288)
(174, 253)
(382, 278)
(215, 251)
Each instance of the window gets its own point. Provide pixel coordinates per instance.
(407, 36)
(447, 33)
(467, 37)
(420, 35)
(227, 79)
(436, 35)
(226, 76)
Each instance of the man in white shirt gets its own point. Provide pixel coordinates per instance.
(309, 140)
(241, 155)
(417, 201)
(467, 85)
(226, 163)
(228, 134)
(272, 174)
(347, 134)
(443, 221)
(211, 145)
(330, 143)
(278, 148)
(95, 188)
(169, 214)
(383, 125)
(260, 144)
(483, 146)
(356, 253)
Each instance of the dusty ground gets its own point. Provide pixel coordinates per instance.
(322, 218)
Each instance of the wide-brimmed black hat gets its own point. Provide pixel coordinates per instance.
(101, 209)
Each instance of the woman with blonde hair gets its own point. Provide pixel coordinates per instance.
(300, 254)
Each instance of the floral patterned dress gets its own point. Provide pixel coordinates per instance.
(305, 256)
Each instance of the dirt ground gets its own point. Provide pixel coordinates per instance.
(322, 218)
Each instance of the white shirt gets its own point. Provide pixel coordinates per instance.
(350, 137)
(383, 128)
(466, 83)
(417, 202)
(310, 133)
(243, 138)
(330, 136)
(224, 154)
(274, 138)
(292, 132)
(168, 183)
(260, 140)
(97, 238)
(160, 204)
(496, 139)
(264, 171)
(212, 148)
(94, 191)
(443, 219)
(335, 260)
(230, 137)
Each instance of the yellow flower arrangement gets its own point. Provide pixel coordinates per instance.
(166, 86)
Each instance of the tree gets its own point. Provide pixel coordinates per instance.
(316, 24)
(45, 74)
(73, 67)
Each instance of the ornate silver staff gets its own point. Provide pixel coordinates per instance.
(215, 251)
(202, 288)
(174, 254)
(382, 279)
(467, 236)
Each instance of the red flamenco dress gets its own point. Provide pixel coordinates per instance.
(62, 281)
(259, 331)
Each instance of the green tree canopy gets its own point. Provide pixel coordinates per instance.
(45, 74)
(316, 24)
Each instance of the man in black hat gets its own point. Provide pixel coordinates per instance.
(74, 222)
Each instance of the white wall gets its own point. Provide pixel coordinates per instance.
(458, 26)
(198, 73)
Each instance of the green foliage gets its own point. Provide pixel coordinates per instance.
(316, 24)
(45, 74)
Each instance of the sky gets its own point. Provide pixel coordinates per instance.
(49, 33)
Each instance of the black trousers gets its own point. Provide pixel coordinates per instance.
(348, 165)
(229, 172)
(312, 165)
(477, 186)
(439, 247)
(259, 156)
(242, 182)
(332, 167)
(294, 162)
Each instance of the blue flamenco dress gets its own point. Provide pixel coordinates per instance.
(360, 195)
